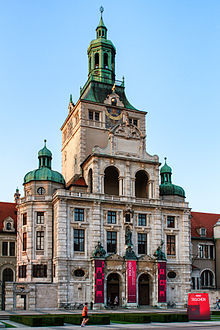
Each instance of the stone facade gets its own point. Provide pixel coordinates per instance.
(111, 202)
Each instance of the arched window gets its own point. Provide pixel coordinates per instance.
(7, 275)
(90, 181)
(207, 279)
(111, 181)
(89, 63)
(141, 184)
(106, 61)
(96, 60)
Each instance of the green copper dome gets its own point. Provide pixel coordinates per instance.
(44, 172)
(165, 168)
(166, 187)
(45, 152)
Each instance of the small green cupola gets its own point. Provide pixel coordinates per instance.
(101, 55)
(44, 172)
(166, 186)
(45, 156)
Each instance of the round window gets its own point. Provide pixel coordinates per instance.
(41, 191)
(79, 273)
(171, 275)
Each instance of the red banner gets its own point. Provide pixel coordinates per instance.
(99, 281)
(162, 282)
(198, 306)
(131, 281)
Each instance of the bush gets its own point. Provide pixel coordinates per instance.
(93, 319)
(130, 317)
(38, 320)
(169, 317)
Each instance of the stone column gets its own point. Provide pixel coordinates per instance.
(216, 230)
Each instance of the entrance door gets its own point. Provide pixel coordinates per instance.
(112, 288)
(7, 276)
(143, 290)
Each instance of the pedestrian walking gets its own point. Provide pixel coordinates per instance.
(217, 303)
(85, 315)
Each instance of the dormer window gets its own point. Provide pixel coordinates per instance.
(203, 232)
(8, 224)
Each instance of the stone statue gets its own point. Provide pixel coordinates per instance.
(129, 253)
(128, 236)
(159, 254)
(99, 251)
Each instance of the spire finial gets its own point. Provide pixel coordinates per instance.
(45, 141)
(165, 159)
(101, 10)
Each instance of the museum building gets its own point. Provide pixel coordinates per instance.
(112, 226)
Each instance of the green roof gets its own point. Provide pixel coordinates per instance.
(165, 168)
(44, 172)
(171, 189)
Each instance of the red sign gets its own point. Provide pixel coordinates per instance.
(162, 282)
(131, 281)
(198, 306)
(99, 281)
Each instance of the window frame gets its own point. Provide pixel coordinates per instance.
(142, 219)
(24, 242)
(111, 241)
(79, 240)
(170, 221)
(40, 240)
(78, 214)
(4, 249)
(111, 217)
(24, 219)
(142, 243)
(171, 245)
(39, 270)
(40, 218)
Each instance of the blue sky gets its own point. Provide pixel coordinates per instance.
(168, 52)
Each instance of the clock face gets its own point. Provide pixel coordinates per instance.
(113, 113)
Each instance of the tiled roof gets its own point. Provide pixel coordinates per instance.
(7, 210)
(77, 182)
(203, 220)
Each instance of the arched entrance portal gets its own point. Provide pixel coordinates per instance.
(143, 290)
(113, 288)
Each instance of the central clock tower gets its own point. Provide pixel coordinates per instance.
(101, 106)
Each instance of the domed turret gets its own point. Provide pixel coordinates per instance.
(44, 172)
(166, 187)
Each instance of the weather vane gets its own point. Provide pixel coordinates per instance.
(101, 10)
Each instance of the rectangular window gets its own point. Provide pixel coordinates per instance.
(111, 217)
(39, 240)
(39, 270)
(205, 251)
(79, 215)
(170, 221)
(135, 122)
(142, 220)
(79, 239)
(111, 241)
(130, 121)
(127, 217)
(24, 218)
(90, 115)
(24, 241)
(97, 116)
(142, 243)
(22, 271)
(4, 248)
(171, 245)
(40, 217)
(12, 249)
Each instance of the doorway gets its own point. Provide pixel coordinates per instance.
(113, 289)
(143, 290)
